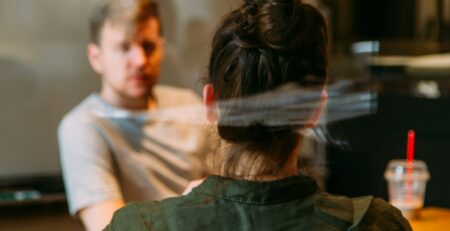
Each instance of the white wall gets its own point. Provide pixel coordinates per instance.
(44, 72)
(188, 28)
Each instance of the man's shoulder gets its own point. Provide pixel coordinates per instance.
(172, 89)
(80, 114)
(171, 95)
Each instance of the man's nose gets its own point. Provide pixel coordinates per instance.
(138, 56)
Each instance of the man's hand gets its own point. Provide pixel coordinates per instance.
(192, 185)
(96, 217)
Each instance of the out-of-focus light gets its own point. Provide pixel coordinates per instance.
(365, 47)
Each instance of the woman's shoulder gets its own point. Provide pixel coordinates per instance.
(153, 215)
(360, 213)
(381, 215)
(138, 216)
(338, 211)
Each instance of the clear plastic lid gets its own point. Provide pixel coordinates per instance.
(401, 169)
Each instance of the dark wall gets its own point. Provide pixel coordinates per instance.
(383, 19)
(382, 137)
(357, 20)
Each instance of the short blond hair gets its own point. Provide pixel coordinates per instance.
(132, 12)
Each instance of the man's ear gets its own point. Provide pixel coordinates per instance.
(95, 58)
(209, 101)
(163, 47)
(316, 114)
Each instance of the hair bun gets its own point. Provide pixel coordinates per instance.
(282, 24)
(250, 5)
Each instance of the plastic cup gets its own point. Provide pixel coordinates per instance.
(406, 185)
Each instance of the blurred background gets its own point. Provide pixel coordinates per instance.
(395, 50)
(44, 71)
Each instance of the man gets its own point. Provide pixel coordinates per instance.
(114, 149)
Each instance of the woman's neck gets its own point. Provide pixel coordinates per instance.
(249, 168)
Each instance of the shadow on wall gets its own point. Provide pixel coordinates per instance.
(18, 91)
(172, 65)
(188, 36)
(196, 50)
(169, 17)
(184, 63)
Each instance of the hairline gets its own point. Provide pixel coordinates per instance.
(95, 34)
(135, 29)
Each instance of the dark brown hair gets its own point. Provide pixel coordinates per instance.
(134, 12)
(261, 46)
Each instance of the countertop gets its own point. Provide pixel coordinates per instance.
(38, 217)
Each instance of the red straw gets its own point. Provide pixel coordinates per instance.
(410, 147)
(409, 165)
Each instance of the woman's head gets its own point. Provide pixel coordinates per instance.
(261, 46)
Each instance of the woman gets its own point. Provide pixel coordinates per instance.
(262, 46)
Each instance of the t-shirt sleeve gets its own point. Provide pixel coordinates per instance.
(383, 216)
(87, 164)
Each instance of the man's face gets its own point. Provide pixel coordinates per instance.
(128, 63)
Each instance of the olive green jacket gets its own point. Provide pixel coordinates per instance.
(292, 203)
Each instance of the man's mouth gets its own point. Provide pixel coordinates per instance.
(140, 78)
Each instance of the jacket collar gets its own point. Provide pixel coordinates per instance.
(258, 192)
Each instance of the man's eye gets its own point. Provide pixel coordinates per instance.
(125, 46)
(149, 47)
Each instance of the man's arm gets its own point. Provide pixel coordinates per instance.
(192, 185)
(96, 217)
(92, 188)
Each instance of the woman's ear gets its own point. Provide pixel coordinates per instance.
(209, 101)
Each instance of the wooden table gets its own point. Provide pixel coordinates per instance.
(38, 217)
(432, 219)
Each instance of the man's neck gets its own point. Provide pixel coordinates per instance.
(146, 103)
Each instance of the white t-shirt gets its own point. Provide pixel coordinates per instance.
(110, 153)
